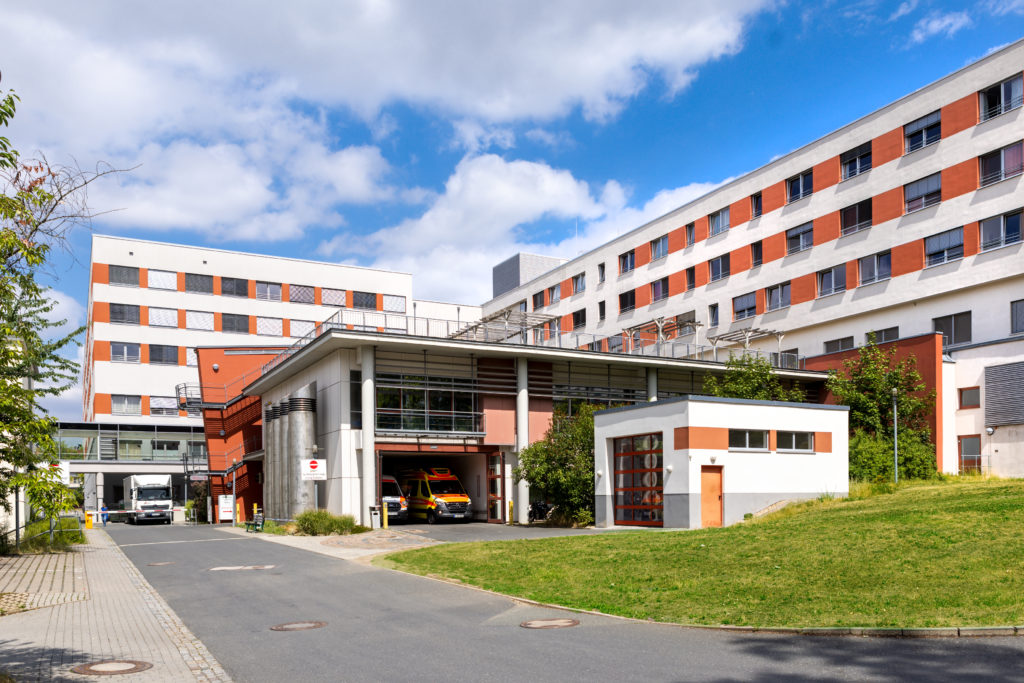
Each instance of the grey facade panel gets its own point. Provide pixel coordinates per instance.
(520, 269)
(1004, 394)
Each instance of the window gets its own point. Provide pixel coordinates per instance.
(191, 358)
(856, 161)
(393, 303)
(659, 248)
(800, 238)
(795, 441)
(332, 297)
(955, 329)
(124, 314)
(300, 294)
(970, 397)
(748, 439)
(1017, 316)
(832, 280)
(268, 291)
(600, 310)
(756, 253)
(639, 478)
(231, 322)
(233, 286)
(579, 283)
(835, 345)
(790, 359)
(944, 247)
(756, 205)
(744, 306)
(719, 267)
(1001, 164)
(922, 132)
(875, 267)
(554, 294)
(161, 279)
(777, 297)
(579, 319)
(627, 261)
(1001, 98)
(198, 284)
(713, 315)
(121, 404)
(999, 231)
(689, 235)
(163, 317)
(355, 396)
(600, 272)
(856, 218)
(718, 222)
(124, 276)
(300, 328)
(198, 320)
(691, 277)
(627, 301)
(970, 453)
(659, 289)
(685, 322)
(124, 352)
(366, 301)
(159, 354)
(166, 406)
(270, 326)
(538, 301)
(800, 186)
(881, 336)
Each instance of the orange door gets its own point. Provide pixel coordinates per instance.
(711, 495)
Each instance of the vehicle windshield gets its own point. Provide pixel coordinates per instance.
(390, 489)
(155, 493)
(442, 486)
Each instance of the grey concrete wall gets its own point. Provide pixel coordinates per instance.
(604, 511)
(677, 510)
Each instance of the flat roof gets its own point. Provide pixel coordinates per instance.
(701, 398)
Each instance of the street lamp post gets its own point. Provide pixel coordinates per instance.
(895, 440)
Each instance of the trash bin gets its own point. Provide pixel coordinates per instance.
(374, 516)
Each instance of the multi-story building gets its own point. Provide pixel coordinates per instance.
(906, 222)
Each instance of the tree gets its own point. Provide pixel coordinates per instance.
(866, 385)
(750, 376)
(561, 466)
(39, 204)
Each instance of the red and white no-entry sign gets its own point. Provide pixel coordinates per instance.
(314, 470)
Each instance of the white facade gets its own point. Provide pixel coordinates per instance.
(127, 379)
(696, 436)
(977, 287)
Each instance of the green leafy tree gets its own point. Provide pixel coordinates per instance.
(39, 204)
(866, 385)
(561, 465)
(752, 377)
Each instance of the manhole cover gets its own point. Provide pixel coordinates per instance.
(299, 626)
(550, 623)
(159, 564)
(112, 667)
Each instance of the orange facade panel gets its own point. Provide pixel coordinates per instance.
(144, 277)
(826, 174)
(643, 295)
(676, 240)
(566, 288)
(707, 438)
(739, 212)
(827, 227)
(700, 229)
(643, 254)
(701, 274)
(101, 404)
(887, 147)
(773, 197)
(181, 283)
(101, 312)
(907, 258)
(851, 274)
(773, 247)
(803, 289)
(499, 419)
(959, 179)
(972, 239)
(676, 283)
(887, 206)
(822, 442)
(760, 304)
(100, 350)
(740, 260)
(959, 115)
(100, 274)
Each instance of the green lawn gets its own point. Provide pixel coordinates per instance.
(935, 554)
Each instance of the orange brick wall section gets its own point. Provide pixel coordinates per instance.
(826, 174)
(643, 295)
(887, 206)
(676, 283)
(676, 240)
(101, 404)
(851, 274)
(739, 212)
(101, 312)
(887, 147)
(181, 282)
(643, 254)
(773, 247)
(100, 274)
(773, 197)
(802, 289)
(972, 239)
(702, 274)
(143, 277)
(739, 260)
(959, 115)
(101, 350)
(566, 286)
(907, 258)
(700, 229)
(827, 227)
(760, 302)
(959, 179)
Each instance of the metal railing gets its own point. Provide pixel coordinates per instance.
(998, 108)
(1000, 174)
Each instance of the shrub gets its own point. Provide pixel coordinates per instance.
(36, 536)
(871, 458)
(323, 523)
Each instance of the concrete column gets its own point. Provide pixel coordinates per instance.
(368, 463)
(272, 478)
(284, 459)
(522, 492)
(100, 499)
(301, 438)
(652, 384)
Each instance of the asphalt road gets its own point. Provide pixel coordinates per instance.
(384, 625)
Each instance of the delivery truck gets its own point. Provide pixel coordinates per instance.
(147, 498)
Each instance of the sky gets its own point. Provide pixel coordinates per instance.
(441, 137)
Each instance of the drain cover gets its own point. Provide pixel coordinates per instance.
(112, 667)
(159, 564)
(550, 623)
(299, 626)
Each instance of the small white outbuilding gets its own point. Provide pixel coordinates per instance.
(700, 461)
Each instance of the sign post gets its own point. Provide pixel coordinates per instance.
(314, 470)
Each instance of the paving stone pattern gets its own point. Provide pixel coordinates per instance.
(33, 581)
(118, 616)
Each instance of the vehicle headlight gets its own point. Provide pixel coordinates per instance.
(441, 505)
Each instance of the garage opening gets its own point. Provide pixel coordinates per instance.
(479, 473)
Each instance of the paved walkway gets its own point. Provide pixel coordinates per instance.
(93, 605)
(351, 547)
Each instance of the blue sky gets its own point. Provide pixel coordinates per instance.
(441, 137)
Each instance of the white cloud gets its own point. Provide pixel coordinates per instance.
(474, 137)
(1004, 7)
(903, 10)
(67, 311)
(938, 23)
(548, 138)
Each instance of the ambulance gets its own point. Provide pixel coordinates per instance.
(436, 494)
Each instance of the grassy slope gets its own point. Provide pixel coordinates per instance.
(928, 555)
